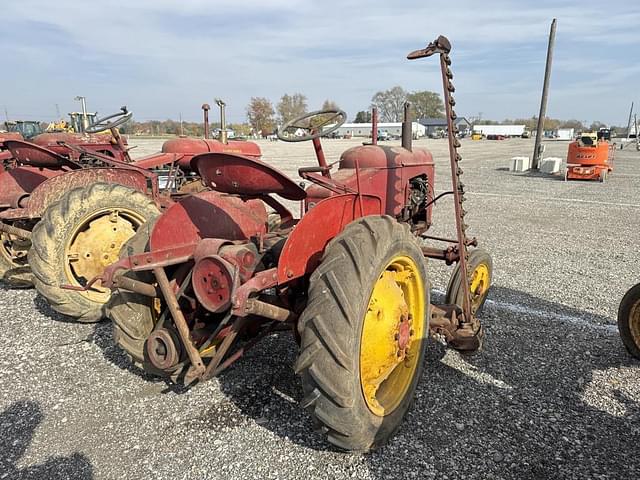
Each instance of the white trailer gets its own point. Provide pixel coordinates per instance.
(566, 133)
(506, 130)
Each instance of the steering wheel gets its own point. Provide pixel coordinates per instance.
(105, 123)
(312, 125)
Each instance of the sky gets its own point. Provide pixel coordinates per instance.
(163, 58)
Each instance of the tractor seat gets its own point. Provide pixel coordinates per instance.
(237, 174)
(28, 153)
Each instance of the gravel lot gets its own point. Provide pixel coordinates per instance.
(552, 395)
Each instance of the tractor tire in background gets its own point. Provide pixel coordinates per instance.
(629, 321)
(78, 237)
(132, 313)
(364, 333)
(481, 266)
(14, 268)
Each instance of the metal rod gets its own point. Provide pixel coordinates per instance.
(236, 328)
(126, 283)
(223, 121)
(18, 232)
(179, 320)
(205, 111)
(268, 310)
(407, 127)
(374, 126)
(543, 101)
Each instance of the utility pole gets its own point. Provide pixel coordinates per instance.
(58, 116)
(181, 130)
(629, 122)
(537, 153)
(6, 114)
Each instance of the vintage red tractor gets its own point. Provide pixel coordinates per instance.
(203, 283)
(629, 321)
(77, 211)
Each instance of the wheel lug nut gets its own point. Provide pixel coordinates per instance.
(397, 336)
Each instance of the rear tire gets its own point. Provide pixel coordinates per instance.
(60, 229)
(629, 321)
(332, 361)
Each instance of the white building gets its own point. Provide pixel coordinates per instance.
(506, 130)
(566, 133)
(392, 128)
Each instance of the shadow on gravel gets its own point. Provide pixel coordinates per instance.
(17, 427)
(540, 401)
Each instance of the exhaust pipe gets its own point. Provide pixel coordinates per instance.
(407, 134)
(223, 123)
(205, 111)
(374, 126)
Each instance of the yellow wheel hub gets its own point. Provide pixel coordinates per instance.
(392, 335)
(95, 243)
(480, 279)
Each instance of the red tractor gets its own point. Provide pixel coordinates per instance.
(205, 281)
(76, 211)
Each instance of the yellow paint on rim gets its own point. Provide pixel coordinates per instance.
(480, 279)
(95, 243)
(392, 335)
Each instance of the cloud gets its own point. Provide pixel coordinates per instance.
(164, 57)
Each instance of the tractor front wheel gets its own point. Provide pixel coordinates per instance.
(363, 333)
(78, 237)
(481, 268)
(629, 320)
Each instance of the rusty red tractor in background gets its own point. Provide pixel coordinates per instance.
(64, 218)
(205, 281)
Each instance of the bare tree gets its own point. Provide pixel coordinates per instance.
(390, 104)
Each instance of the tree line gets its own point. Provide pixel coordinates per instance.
(263, 117)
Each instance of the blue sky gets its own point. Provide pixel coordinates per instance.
(166, 57)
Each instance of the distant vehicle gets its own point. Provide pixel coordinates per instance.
(526, 134)
(383, 135)
(27, 128)
(477, 136)
(496, 137)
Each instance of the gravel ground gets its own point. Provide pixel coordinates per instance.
(552, 395)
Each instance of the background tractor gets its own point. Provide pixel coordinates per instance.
(205, 281)
(77, 214)
(629, 321)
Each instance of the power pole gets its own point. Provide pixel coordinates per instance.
(537, 153)
(58, 117)
(6, 114)
(181, 130)
(629, 122)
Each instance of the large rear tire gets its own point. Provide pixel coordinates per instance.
(78, 237)
(629, 320)
(363, 333)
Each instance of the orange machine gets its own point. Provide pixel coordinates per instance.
(589, 158)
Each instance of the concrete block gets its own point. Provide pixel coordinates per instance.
(520, 164)
(550, 165)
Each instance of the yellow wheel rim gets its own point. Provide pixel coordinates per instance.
(95, 243)
(392, 335)
(480, 280)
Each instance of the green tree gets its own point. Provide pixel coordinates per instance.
(330, 105)
(575, 124)
(260, 115)
(426, 104)
(362, 117)
(390, 104)
(291, 106)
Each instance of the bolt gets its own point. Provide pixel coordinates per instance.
(396, 336)
(289, 274)
(411, 333)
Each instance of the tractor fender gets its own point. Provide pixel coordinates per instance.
(208, 214)
(18, 183)
(305, 245)
(54, 188)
